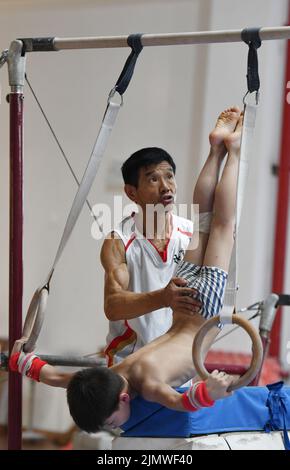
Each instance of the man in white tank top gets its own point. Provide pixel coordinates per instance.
(140, 288)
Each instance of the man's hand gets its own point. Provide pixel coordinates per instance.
(179, 297)
(218, 383)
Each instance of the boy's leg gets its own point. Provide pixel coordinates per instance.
(221, 238)
(206, 184)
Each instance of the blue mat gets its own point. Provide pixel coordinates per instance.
(248, 409)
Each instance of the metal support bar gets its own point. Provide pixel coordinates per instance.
(59, 360)
(73, 361)
(16, 67)
(171, 39)
(282, 211)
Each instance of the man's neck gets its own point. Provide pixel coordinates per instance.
(155, 227)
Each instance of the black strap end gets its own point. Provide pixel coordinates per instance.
(251, 36)
(135, 42)
(284, 299)
(38, 44)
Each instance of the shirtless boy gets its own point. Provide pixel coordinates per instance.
(102, 396)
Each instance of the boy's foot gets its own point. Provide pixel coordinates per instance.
(225, 126)
(233, 140)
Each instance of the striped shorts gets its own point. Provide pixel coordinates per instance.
(210, 282)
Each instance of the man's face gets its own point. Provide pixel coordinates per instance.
(120, 416)
(156, 185)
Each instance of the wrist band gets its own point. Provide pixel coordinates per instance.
(196, 397)
(186, 402)
(202, 396)
(26, 364)
(35, 368)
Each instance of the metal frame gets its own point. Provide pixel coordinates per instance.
(16, 67)
(60, 360)
(282, 210)
(171, 39)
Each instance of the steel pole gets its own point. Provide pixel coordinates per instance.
(16, 79)
(282, 210)
(46, 44)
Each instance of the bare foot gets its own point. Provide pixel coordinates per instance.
(226, 124)
(233, 140)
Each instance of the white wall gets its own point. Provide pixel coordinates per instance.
(173, 101)
(73, 89)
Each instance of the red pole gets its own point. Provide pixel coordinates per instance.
(282, 210)
(16, 264)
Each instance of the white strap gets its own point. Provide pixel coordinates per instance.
(250, 111)
(88, 178)
(24, 362)
(204, 222)
(36, 310)
(226, 317)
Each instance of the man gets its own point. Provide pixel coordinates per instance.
(140, 287)
(102, 396)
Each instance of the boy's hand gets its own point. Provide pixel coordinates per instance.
(26, 364)
(18, 345)
(218, 383)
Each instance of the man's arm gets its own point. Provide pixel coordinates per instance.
(122, 304)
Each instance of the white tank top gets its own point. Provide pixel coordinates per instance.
(149, 270)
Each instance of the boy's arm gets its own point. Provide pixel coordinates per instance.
(49, 375)
(162, 393)
(199, 395)
(36, 369)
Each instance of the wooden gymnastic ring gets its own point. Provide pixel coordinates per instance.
(257, 350)
(34, 319)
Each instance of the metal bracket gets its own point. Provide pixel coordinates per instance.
(268, 312)
(16, 66)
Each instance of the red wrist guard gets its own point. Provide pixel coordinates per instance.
(13, 362)
(186, 402)
(36, 366)
(196, 397)
(202, 395)
(26, 364)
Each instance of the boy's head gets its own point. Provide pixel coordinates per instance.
(98, 396)
(149, 177)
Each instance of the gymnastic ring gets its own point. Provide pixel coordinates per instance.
(257, 350)
(34, 318)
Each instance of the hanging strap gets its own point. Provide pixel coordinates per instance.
(276, 403)
(245, 153)
(251, 37)
(134, 41)
(37, 308)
